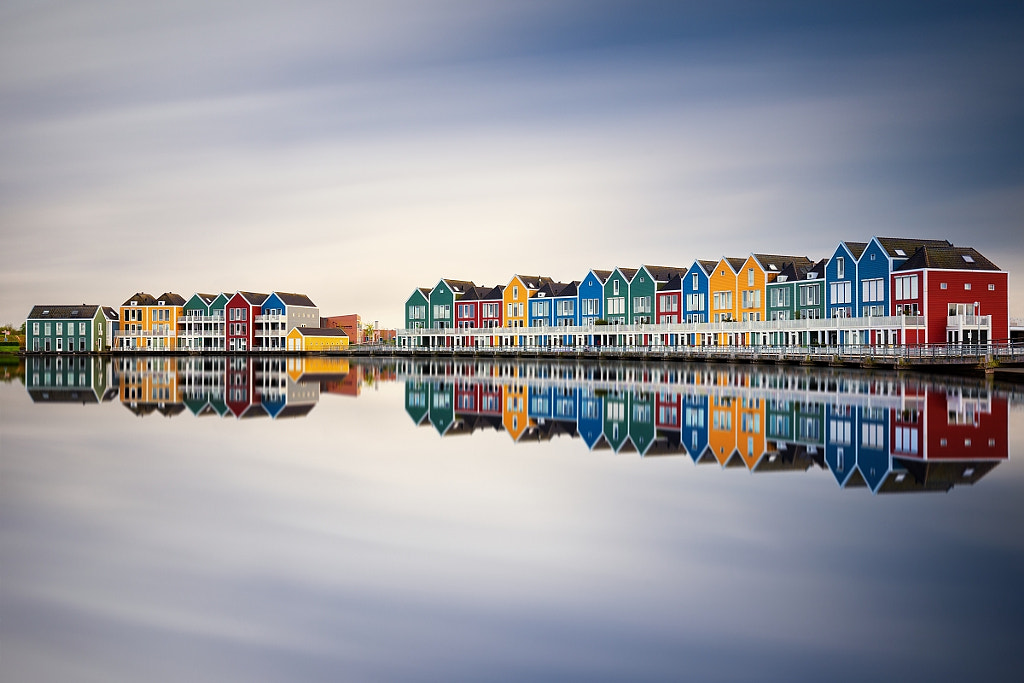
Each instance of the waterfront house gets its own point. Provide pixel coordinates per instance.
(722, 284)
(112, 324)
(961, 293)
(643, 291)
(279, 314)
(565, 305)
(468, 308)
(616, 296)
(696, 296)
(590, 296)
(316, 339)
(442, 301)
(150, 323)
(841, 279)
(668, 307)
(241, 311)
(492, 307)
(201, 327)
(416, 309)
(517, 294)
(756, 273)
(66, 329)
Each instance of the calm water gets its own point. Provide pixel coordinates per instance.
(272, 520)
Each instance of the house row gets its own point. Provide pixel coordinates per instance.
(953, 294)
(222, 322)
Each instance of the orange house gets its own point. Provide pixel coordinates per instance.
(751, 280)
(722, 289)
(722, 427)
(514, 416)
(516, 298)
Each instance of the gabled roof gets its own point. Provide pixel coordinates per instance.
(817, 270)
(568, 289)
(904, 247)
(664, 273)
(458, 286)
(254, 298)
(171, 299)
(110, 313)
(948, 258)
(82, 312)
(601, 275)
(474, 293)
(627, 273)
(320, 331)
(855, 248)
(788, 274)
(291, 299)
(774, 263)
(207, 298)
(708, 266)
(140, 299)
(552, 289)
(674, 284)
(496, 294)
(532, 281)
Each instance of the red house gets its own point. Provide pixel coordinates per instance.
(961, 294)
(669, 300)
(491, 313)
(240, 314)
(467, 308)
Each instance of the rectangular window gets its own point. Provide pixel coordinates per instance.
(81, 328)
(840, 267)
(750, 277)
(615, 287)
(695, 281)
(967, 285)
(60, 328)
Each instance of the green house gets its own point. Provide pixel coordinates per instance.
(66, 329)
(417, 309)
(442, 301)
(617, 303)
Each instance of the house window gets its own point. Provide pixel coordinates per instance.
(991, 288)
(81, 328)
(942, 285)
(615, 287)
(750, 277)
(840, 267)
(695, 280)
(35, 326)
(60, 328)
(967, 285)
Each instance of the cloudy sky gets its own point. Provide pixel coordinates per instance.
(354, 151)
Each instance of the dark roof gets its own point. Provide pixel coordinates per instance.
(708, 266)
(628, 273)
(568, 289)
(908, 246)
(111, 313)
(735, 262)
(664, 273)
(295, 411)
(819, 270)
(253, 298)
(554, 289)
(779, 261)
(207, 298)
(856, 248)
(82, 312)
(602, 275)
(948, 258)
(140, 299)
(292, 299)
(474, 293)
(458, 286)
(495, 294)
(321, 331)
(533, 281)
(787, 274)
(171, 299)
(674, 284)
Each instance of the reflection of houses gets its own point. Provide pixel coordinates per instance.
(148, 384)
(65, 379)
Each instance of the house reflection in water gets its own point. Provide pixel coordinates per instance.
(885, 433)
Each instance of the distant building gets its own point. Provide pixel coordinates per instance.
(352, 325)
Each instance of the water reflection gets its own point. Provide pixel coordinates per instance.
(886, 433)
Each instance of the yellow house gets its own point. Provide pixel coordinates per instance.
(755, 273)
(750, 439)
(516, 298)
(722, 288)
(514, 416)
(316, 339)
(722, 428)
(150, 323)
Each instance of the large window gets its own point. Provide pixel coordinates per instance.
(906, 287)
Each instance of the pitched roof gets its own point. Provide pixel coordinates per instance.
(292, 299)
(568, 289)
(82, 312)
(253, 298)
(774, 263)
(207, 298)
(111, 313)
(533, 281)
(553, 289)
(856, 248)
(140, 299)
(628, 273)
(664, 273)
(674, 284)
(495, 294)
(171, 299)
(904, 247)
(458, 286)
(948, 258)
(321, 331)
(474, 293)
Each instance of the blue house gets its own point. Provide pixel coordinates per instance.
(696, 294)
(840, 443)
(590, 420)
(590, 297)
(881, 257)
(873, 458)
(565, 305)
(694, 429)
(841, 280)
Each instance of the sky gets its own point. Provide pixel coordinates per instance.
(356, 151)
